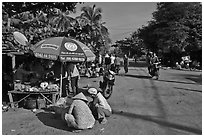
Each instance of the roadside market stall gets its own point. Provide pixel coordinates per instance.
(55, 49)
(29, 86)
(63, 49)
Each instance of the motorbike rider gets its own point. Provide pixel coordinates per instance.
(109, 76)
(148, 59)
(154, 60)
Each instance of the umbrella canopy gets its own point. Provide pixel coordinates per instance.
(66, 49)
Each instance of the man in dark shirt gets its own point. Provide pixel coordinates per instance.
(107, 61)
(21, 73)
(126, 63)
(117, 64)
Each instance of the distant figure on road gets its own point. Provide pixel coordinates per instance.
(135, 58)
(100, 59)
(154, 68)
(117, 64)
(178, 66)
(126, 63)
(148, 59)
(112, 57)
(154, 59)
(107, 61)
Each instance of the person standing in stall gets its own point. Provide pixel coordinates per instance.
(65, 77)
(74, 77)
(21, 73)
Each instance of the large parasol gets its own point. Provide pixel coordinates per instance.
(63, 48)
(66, 49)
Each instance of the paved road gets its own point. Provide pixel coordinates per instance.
(170, 105)
(141, 106)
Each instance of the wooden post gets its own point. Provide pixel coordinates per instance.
(13, 62)
(9, 23)
(54, 97)
(61, 79)
(11, 100)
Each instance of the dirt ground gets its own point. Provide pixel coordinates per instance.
(20, 121)
(171, 105)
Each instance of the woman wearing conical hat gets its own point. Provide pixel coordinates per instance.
(79, 115)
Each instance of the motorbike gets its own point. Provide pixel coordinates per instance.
(154, 70)
(117, 69)
(107, 85)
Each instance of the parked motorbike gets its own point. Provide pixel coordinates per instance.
(117, 69)
(154, 70)
(107, 84)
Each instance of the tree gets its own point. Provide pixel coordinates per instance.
(175, 29)
(137, 47)
(61, 22)
(150, 39)
(34, 19)
(182, 21)
(93, 29)
(13, 8)
(132, 46)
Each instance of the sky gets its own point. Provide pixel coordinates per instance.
(122, 18)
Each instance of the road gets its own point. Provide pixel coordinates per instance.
(171, 105)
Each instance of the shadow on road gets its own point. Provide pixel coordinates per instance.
(181, 82)
(158, 121)
(136, 76)
(189, 89)
(195, 79)
(138, 64)
(50, 119)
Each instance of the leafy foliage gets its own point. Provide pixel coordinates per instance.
(13, 8)
(94, 32)
(36, 20)
(40, 20)
(175, 27)
(132, 46)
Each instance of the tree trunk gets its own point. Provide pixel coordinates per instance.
(9, 23)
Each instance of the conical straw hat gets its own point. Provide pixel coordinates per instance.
(80, 96)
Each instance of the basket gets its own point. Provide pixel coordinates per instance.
(30, 103)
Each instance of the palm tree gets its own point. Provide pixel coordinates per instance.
(91, 15)
(61, 21)
(91, 20)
